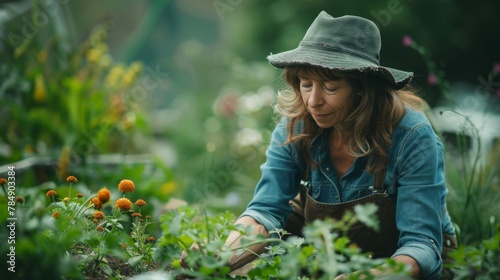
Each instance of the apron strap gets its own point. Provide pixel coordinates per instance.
(378, 182)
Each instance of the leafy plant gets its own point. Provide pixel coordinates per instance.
(85, 232)
(321, 254)
(478, 262)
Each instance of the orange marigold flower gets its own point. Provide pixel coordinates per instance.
(99, 228)
(79, 195)
(140, 203)
(126, 186)
(150, 239)
(136, 214)
(148, 217)
(72, 179)
(104, 195)
(55, 214)
(97, 203)
(98, 215)
(51, 193)
(3, 181)
(124, 204)
(20, 199)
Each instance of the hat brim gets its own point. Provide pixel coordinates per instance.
(342, 61)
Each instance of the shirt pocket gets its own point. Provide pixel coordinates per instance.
(321, 191)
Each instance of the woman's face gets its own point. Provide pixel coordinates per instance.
(328, 101)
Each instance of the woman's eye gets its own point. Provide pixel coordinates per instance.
(330, 90)
(306, 86)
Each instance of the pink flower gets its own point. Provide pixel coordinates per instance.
(407, 41)
(496, 67)
(431, 79)
(227, 104)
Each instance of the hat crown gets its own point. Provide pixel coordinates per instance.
(349, 34)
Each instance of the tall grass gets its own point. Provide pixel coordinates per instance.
(473, 184)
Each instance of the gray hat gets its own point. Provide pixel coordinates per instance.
(345, 43)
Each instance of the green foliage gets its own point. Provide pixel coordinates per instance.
(73, 235)
(472, 179)
(478, 262)
(66, 101)
(321, 254)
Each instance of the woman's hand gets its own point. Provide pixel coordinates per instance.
(233, 242)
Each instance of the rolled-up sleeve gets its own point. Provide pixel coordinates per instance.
(278, 185)
(421, 196)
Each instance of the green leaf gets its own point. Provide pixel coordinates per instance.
(134, 261)
(367, 215)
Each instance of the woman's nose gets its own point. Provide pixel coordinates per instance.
(316, 97)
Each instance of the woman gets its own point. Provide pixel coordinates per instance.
(348, 122)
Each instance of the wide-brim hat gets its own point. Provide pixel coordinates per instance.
(347, 43)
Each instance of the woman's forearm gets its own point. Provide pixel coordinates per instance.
(240, 258)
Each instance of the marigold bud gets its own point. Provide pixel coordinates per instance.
(126, 186)
(104, 195)
(51, 193)
(140, 203)
(97, 203)
(124, 204)
(72, 179)
(98, 215)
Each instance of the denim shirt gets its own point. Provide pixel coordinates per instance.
(415, 181)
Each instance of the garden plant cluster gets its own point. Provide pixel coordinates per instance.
(72, 104)
(96, 237)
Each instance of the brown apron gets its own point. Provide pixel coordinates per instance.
(382, 243)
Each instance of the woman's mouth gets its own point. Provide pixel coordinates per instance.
(320, 116)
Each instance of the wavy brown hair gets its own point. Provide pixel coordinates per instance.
(376, 111)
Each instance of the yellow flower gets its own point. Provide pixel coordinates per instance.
(104, 195)
(72, 179)
(124, 204)
(115, 75)
(169, 187)
(94, 55)
(39, 92)
(65, 200)
(42, 56)
(140, 203)
(126, 186)
(51, 193)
